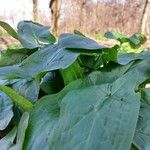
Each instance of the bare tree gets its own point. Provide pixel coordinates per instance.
(55, 13)
(144, 26)
(35, 10)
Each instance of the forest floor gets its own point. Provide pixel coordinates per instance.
(7, 42)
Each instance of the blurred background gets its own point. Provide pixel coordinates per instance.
(92, 17)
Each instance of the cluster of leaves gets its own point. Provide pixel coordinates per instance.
(126, 43)
(72, 93)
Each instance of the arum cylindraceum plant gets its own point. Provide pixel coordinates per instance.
(73, 93)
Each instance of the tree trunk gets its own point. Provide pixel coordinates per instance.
(55, 13)
(145, 29)
(35, 10)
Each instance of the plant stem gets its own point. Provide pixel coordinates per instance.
(19, 100)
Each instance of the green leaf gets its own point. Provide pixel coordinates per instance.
(7, 141)
(116, 36)
(142, 133)
(28, 89)
(94, 62)
(74, 41)
(78, 32)
(23, 124)
(33, 35)
(12, 56)
(43, 117)
(110, 54)
(136, 40)
(6, 112)
(101, 77)
(104, 104)
(102, 117)
(9, 29)
(42, 120)
(47, 59)
(11, 74)
(124, 59)
(82, 112)
(146, 95)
